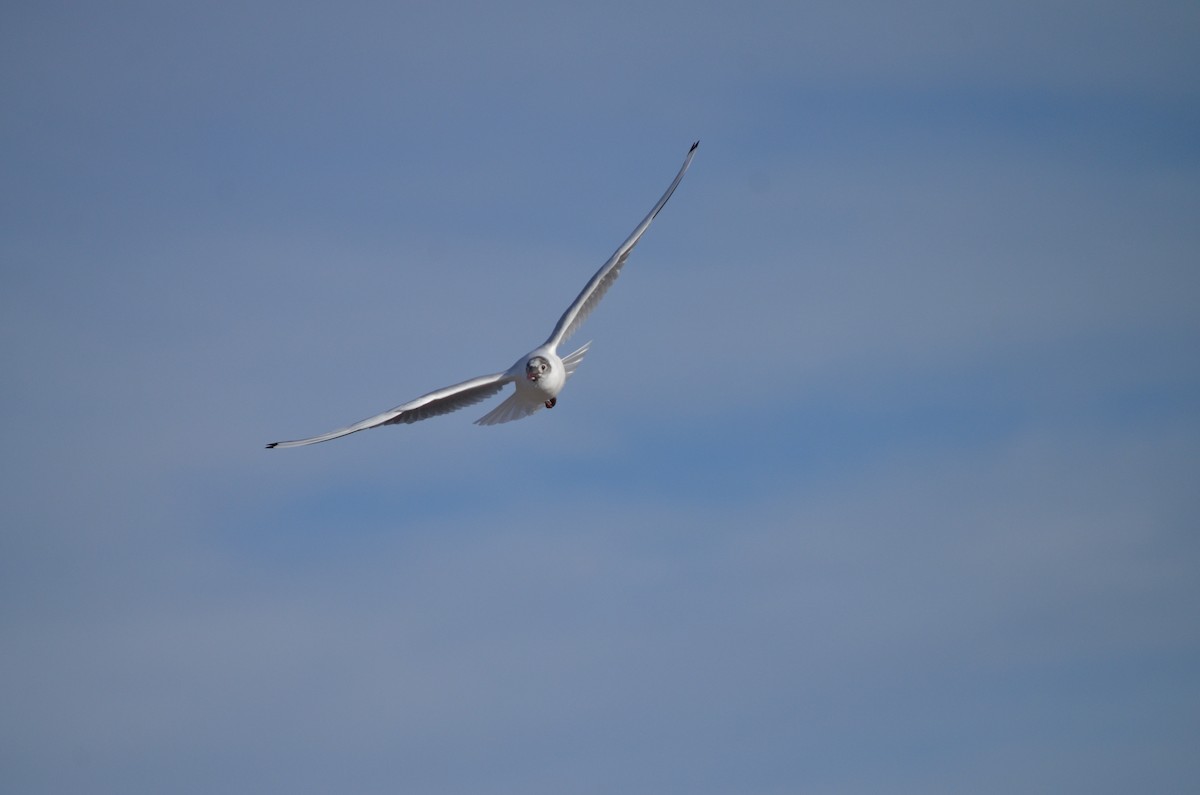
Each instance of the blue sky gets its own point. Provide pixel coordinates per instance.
(880, 475)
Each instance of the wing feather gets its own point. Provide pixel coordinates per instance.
(441, 401)
(599, 284)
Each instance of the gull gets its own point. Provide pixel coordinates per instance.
(539, 375)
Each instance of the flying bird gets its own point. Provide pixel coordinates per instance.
(539, 375)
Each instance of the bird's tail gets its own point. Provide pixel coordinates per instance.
(517, 406)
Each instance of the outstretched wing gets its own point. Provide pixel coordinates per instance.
(595, 289)
(443, 401)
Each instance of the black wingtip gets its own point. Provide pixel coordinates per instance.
(693, 149)
(272, 444)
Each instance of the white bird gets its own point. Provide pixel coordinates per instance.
(539, 375)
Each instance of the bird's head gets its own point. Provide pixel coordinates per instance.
(536, 367)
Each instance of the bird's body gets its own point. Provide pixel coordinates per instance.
(539, 375)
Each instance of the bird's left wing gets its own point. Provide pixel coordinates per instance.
(595, 289)
(442, 401)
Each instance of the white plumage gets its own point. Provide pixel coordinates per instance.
(539, 375)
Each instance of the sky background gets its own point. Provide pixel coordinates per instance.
(881, 475)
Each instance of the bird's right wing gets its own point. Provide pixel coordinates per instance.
(442, 401)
